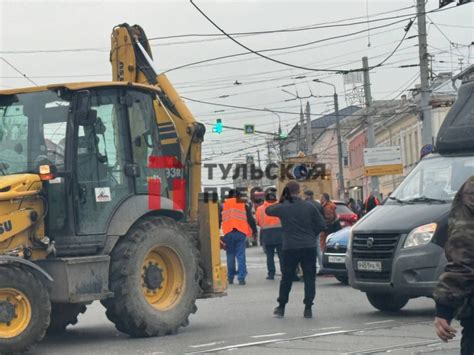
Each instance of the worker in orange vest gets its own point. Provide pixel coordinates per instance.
(238, 224)
(270, 232)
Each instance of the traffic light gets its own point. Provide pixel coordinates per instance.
(282, 135)
(217, 127)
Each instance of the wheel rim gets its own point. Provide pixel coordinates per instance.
(162, 278)
(19, 321)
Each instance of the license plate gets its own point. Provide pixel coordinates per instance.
(337, 259)
(369, 265)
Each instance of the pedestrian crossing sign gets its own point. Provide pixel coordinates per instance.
(249, 129)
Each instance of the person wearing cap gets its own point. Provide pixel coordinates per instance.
(238, 224)
(301, 223)
(309, 196)
(270, 233)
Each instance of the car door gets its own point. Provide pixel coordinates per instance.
(101, 155)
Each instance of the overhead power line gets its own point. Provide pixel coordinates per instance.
(213, 36)
(259, 53)
(18, 71)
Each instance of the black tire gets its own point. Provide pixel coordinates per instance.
(64, 314)
(19, 280)
(128, 309)
(343, 279)
(387, 302)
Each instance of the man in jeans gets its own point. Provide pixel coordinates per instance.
(301, 223)
(238, 224)
(270, 232)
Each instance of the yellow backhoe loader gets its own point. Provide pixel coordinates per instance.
(100, 200)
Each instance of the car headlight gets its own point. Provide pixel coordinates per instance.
(420, 235)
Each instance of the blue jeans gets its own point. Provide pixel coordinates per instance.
(235, 249)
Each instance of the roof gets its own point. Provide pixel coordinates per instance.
(329, 119)
(76, 86)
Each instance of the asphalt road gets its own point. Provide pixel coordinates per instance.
(242, 322)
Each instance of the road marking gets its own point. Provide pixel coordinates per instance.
(328, 328)
(267, 335)
(380, 322)
(316, 335)
(207, 344)
(263, 342)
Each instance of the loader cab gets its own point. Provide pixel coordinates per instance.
(100, 141)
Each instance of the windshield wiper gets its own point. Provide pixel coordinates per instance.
(400, 201)
(426, 199)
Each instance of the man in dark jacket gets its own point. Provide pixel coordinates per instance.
(454, 294)
(301, 223)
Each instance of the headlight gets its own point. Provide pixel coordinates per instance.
(420, 235)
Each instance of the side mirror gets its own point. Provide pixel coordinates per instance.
(83, 115)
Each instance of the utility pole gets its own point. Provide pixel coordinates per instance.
(309, 133)
(374, 181)
(269, 153)
(341, 186)
(427, 130)
(339, 147)
(301, 138)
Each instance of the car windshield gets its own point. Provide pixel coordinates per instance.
(32, 131)
(435, 179)
(342, 209)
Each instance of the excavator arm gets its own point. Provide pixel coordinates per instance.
(132, 61)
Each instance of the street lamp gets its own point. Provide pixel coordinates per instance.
(279, 131)
(339, 140)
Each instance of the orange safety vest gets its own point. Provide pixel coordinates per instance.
(234, 216)
(265, 221)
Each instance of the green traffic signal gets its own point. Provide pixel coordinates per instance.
(217, 126)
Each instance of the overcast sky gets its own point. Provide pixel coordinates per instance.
(65, 25)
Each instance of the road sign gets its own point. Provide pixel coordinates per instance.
(249, 129)
(383, 161)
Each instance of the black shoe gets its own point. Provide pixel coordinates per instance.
(242, 282)
(270, 277)
(308, 313)
(231, 282)
(279, 312)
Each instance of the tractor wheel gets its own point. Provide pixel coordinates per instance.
(24, 310)
(64, 314)
(155, 277)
